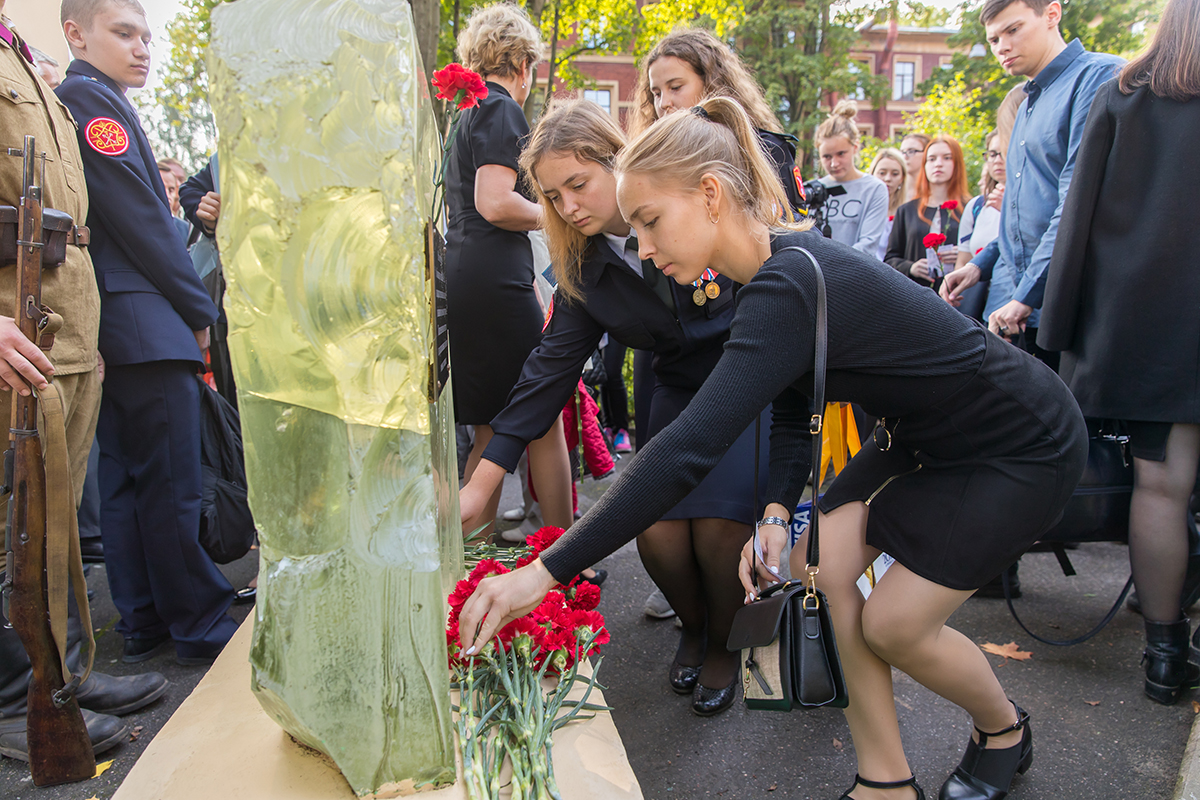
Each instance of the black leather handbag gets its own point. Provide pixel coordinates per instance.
(789, 654)
(1098, 510)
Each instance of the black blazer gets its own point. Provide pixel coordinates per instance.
(1122, 289)
(686, 344)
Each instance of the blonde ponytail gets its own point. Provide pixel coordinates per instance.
(840, 123)
(716, 138)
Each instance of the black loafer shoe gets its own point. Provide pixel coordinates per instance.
(105, 732)
(244, 597)
(139, 649)
(105, 694)
(707, 702)
(683, 678)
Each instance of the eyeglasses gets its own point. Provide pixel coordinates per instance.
(993, 155)
(910, 152)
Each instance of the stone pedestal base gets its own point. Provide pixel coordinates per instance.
(221, 744)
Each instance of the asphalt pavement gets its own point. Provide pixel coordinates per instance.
(1096, 737)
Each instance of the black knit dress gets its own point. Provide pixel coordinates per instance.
(983, 443)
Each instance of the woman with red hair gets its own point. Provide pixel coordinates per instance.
(942, 193)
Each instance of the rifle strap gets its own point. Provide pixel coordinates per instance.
(64, 564)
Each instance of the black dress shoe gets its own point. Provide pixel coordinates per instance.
(683, 678)
(92, 551)
(707, 702)
(105, 694)
(987, 774)
(139, 648)
(598, 578)
(243, 597)
(105, 732)
(861, 781)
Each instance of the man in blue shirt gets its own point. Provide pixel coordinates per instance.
(1024, 36)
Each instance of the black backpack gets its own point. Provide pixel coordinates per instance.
(226, 524)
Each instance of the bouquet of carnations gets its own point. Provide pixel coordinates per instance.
(505, 715)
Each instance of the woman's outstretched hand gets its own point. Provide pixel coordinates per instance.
(499, 600)
(765, 569)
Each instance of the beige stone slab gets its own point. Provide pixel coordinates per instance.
(220, 744)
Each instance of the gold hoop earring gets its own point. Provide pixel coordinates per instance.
(714, 221)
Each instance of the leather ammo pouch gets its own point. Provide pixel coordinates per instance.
(57, 229)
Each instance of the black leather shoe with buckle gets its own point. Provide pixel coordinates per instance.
(987, 774)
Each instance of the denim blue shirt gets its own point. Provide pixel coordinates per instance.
(1040, 163)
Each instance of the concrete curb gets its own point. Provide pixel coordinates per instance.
(1188, 785)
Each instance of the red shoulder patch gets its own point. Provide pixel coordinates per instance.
(107, 136)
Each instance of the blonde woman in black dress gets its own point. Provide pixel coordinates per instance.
(978, 448)
(492, 312)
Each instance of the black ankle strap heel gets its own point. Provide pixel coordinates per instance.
(859, 780)
(985, 774)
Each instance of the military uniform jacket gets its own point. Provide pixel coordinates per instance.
(31, 109)
(151, 298)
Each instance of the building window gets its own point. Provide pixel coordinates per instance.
(601, 97)
(857, 68)
(903, 73)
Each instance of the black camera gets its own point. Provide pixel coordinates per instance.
(816, 195)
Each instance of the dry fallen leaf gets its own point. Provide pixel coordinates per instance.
(135, 733)
(1195, 707)
(1092, 702)
(837, 744)
(102, 768)
(772, 787)
(1009, 650)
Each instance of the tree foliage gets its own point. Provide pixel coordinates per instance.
(951, 109)
(178, 119)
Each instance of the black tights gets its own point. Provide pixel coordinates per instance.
(1158, 509)
(695, 563)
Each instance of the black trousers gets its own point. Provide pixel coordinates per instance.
(161, 579)
(614, 399)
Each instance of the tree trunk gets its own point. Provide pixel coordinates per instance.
(427, 16)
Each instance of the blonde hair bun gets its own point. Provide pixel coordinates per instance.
(845, 108)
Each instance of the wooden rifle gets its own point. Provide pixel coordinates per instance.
(60, 750)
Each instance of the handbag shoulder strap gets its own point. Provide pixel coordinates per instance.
(815, 425)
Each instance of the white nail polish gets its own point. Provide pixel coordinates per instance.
(470, 651)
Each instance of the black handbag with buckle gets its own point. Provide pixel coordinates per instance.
(789, 654)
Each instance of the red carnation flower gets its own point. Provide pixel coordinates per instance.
(488, 566)
(584, 597)
(950, 205)
(459, 85)
(934, 240)
(543, 538)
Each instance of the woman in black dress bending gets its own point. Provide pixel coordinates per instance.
(492, 312)
(978, 449)
(692, 553)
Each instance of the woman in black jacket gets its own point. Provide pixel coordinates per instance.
(1123, 264)
(604, 287)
